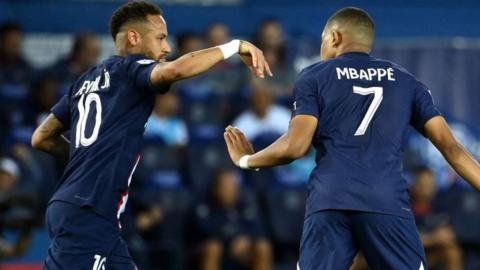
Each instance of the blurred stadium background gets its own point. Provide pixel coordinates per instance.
(190, 209)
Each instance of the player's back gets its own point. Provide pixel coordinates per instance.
(106, 111)
(364, 107)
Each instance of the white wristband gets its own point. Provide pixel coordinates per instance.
(243, 162)
(230, 48)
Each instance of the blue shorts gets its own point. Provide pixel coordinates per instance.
(83, 240)
(331, 239)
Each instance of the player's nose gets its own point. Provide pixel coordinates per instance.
(167, 49)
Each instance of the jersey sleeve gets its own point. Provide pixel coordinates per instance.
(424, 108)
(306, 99)
(61, 110)
(139, 69)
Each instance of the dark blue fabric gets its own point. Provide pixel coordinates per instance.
(79, 234)
(331, 239)
(98, 171)
(361, 170)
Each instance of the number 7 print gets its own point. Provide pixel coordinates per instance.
(377, 99)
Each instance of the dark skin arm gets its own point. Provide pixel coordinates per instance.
(295, 143)
(198, 62)
(437, 130)
(292, 145)
(48, 138)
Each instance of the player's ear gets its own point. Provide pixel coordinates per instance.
(336, 38)
(133, 37)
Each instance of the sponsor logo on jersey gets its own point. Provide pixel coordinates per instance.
(145, 61)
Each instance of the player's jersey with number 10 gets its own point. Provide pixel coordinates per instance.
(106, 111)
(364, 107)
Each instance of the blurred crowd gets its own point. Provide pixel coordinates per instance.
(190, 207)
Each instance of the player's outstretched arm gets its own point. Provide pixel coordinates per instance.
(437, 130)
(48, 138)
(289, 147)
(197, 62)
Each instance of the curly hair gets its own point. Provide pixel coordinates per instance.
(135, 11)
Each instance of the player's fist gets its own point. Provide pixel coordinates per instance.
(238, 146)
(253, 57)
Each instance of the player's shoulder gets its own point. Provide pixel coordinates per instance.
(117, 61)
(139, 59)
(397, 67)
(79, 82)
(314, 70)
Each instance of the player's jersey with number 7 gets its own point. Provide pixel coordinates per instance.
(364, 107)
(106, 111)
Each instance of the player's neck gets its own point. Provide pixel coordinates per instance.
(354, 48)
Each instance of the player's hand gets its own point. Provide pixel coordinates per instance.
(253, 57)
(237, 144)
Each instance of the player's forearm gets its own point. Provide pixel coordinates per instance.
(281, 152)
(464, 164)
(195, 63)
(56, 146)
(48, 138)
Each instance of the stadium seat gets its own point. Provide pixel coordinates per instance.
(463, 208)
(286, 208)
(200, 104)
(465, 217)
(203, 160)
(159, 166)
(167, 242)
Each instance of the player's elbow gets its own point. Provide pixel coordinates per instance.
(175, 71)
(167, 73)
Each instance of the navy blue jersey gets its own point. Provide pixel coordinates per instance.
(105, 111)
(364, 107)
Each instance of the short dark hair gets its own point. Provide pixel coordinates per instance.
(354, 16)
(131, 12)
(9, 27)
(184, 37)
(80, 41)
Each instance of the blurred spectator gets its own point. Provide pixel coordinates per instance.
(13, 67)
(271, 39)
(164, 124)
(226, 77)
(45, 92)
(83, 55)
(421, 151)
(188, 42)
(270, 36)
(15, 76)
(436, 233)
(263, 116)
(14, 214)
(230, 230)
(217, 34)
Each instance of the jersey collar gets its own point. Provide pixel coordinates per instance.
(353, 55)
